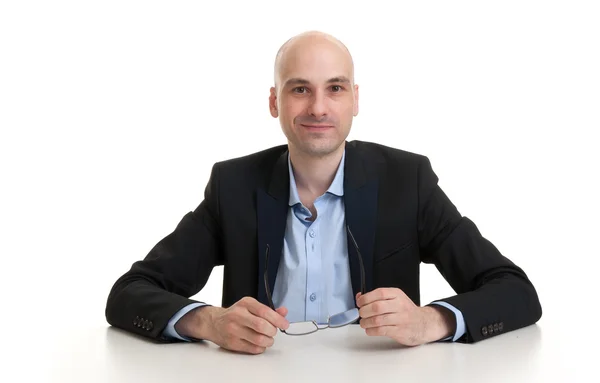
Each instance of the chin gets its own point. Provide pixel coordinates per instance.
(320, 149)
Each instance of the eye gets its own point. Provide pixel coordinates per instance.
(336, 88)
(299, 90)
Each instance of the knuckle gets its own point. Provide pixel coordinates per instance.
(255, 323)
(262, 312)
(247, 301)
(267, 329)
(244, 300)
(263, 327)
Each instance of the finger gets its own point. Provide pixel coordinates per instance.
(378, 308)
(380, 320)
(282, 311)
(255, 338)
(265, 312)
(377, 295)
(244, 346)
(380, 331)
(258, 324)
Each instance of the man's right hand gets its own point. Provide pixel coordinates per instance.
(247, 326)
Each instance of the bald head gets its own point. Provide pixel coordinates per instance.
(314, 96)
(302, 46)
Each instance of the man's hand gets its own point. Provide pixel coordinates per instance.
(389, 312)
(247, 326)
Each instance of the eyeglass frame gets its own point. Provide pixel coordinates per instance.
(362, 284)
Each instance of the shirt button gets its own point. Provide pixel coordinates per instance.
(312, 233)
(313, 296)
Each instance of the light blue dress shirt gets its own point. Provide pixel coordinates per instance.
(313, 280)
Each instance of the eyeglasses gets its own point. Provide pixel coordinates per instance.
(334, 321)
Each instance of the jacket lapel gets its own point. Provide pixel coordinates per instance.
(360, 202)
(272, 209)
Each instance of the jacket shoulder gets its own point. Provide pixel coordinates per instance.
(253, 160)
(385, 153)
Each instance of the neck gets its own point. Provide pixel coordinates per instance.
(315, 173)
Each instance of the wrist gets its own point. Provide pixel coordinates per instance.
(440, 323)
(197, 324)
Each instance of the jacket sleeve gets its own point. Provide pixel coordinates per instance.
(144, 299)
(494, 295)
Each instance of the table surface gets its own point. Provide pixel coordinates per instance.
(108, 354)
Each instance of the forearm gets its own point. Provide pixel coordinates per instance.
(141, 307)
(514, 305)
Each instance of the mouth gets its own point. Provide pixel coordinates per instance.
(316, 127)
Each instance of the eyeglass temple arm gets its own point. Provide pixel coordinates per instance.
(266, 278)
(363, 288)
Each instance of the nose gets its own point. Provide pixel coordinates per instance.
(317, 107)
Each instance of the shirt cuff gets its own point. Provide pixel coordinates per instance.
(170, 332)
(460, 320)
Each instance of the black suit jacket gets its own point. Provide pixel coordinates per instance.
(397, 212)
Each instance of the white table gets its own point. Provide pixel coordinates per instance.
(107, 354)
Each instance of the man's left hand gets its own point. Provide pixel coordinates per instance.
(389, 312)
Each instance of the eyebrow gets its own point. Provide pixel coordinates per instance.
(339, 79)
(301, 81)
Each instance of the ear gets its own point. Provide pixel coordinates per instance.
(355, 108)
(273, 103)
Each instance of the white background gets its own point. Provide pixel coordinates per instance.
(113, 112)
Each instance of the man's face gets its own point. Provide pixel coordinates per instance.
(315, 98)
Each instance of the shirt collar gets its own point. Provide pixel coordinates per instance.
(336, 187)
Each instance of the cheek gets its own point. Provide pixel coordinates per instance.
(289, 111)
(344, 104)
(346, 110)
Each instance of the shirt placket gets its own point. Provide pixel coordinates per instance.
(314, 293)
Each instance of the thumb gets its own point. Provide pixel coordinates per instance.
(282, 311)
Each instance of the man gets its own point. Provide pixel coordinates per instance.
(322, 226)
